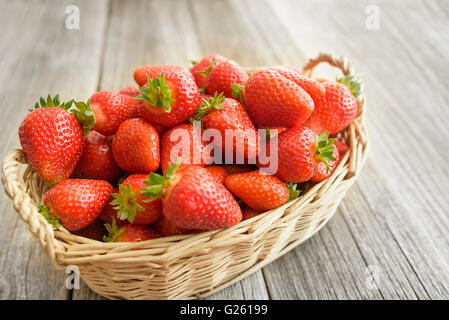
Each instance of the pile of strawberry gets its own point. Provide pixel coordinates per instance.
(109, 165)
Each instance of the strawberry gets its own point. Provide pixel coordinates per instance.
(229, 117)
(249, 213)
(109, 213)
(273, 100)
(169, 99)
(52, 137)
(141, 74)
(96, 161)
(192, 199)
(135, 146)
(132, 205)
(322, 171)
(299, 152)
(75, 203)
(223, 76)
(202, 69)
(341, 147)
(94, 231)
(164, 227)
(313, 87)
(129, 233)
(233, 169)
(218, 172)
(186, 138)
(131, 91)
(258, 190)
(338, 107)
(111, 109)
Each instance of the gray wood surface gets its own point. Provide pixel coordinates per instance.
(389, 238)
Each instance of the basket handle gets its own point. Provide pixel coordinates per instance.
(337, 62)
(25, 207)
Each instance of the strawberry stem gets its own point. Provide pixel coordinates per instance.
(237, 91)
(207, 71)
(325, 149)
(157, 93)
(113, 231)
(214, 102)
(353, 83)
(293, 193)
(52, 219)
(126, 204)
(156, 183)
(83, 112)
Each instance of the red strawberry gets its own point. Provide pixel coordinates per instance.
(338, 107)
(132, 205)
(52, 137)
(129, 233)
(111, 109)
(322, 171)
(313, 87)
(141, 74)
(135, 146)
(299, 152)
(96, 161)
(202, 69)
(218, 172)
(131, 91)
(258, 190)
(94, 231)
(342, 147)
(164, 227)
(169, 99)
(186, 138)
(76, 203)
(223, 76)
(192, 199)
(249, 213)
(273, 100)
(229, 117)
(234, 169)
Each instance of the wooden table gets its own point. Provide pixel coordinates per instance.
(390, 236)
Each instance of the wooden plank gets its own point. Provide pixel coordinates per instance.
(132, 41)
(397, 212)
(39, 55)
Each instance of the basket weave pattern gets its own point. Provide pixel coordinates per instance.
(190, 266)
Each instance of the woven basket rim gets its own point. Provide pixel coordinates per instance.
(64, 248)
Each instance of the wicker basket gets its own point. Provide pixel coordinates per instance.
(190, 266)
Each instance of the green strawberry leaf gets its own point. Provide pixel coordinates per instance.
(353, 83)
(157, 93)
(113, 231)
(293, 191)
(208, 105)
(325, 149)
(51, 102)
(156, 183)
(125, 203)
(45, 212)
(207, 71)
(83, 112)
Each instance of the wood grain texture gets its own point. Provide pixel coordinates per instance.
(39, 55)
(393, 222)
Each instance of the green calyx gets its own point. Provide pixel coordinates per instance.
(51, 102)
(293, 191)
(156, 183)
(83, 112)
(157, 93)
(237, 91)
(206, 72)
(325, 149)
(214, 102)
(353, 83)
(113, 231)
(125, 203)
(193, 62)
(45, 212)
